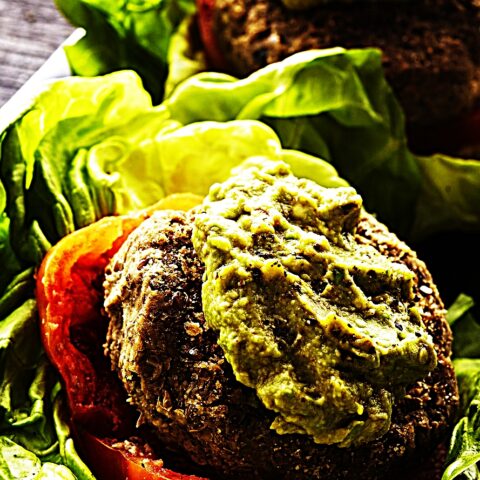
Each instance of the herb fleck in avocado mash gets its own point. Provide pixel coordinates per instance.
(321, 326)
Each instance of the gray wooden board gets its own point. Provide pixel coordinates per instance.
(30, 30)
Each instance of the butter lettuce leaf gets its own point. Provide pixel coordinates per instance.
(99, 147)
(462, 304)
(8, 260)
(465, 328)
(450, 194)
(33, 431)
(193, 157)
(18, 462)
(50, 191)
(336, 104)
(133, 34)
(333, 103)
(464, 452)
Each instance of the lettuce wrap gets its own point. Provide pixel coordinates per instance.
(132, 34)
(90, 147)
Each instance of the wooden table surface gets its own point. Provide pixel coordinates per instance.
(30, 30)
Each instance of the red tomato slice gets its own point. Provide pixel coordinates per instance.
(69, 297)
(215, 57)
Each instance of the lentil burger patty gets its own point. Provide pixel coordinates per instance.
(431, 48)
(177, 377)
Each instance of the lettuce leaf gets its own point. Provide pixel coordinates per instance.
(99, 147)
(8, 260)
(336, 104)
(33, 431)
(464, 452)
(132, 34)
(465, 328)
(185, 58)
(459, 308)
(18, 462)
(450, 194)
(49, 189)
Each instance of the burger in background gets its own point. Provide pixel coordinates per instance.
(431, 53)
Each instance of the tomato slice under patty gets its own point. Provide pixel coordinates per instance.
(206, 12)
(70, 297)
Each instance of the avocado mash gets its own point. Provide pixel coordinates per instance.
(321, 325)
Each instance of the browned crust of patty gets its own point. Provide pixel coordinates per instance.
(431, 48)
(176, 375)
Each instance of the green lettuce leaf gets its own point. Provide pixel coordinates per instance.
(133, 34)
(465, 328)
(17, 462)
(459, 308)
(464, 452)
(8, 260)
(193, 157)
(185, 58)
(42, 168)
(68, 454)
(450, 194)
(336, 104)
(35, 441)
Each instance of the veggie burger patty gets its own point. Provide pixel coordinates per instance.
(177, 376)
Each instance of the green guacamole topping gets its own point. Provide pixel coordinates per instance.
(306, 4)
(320, 325)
